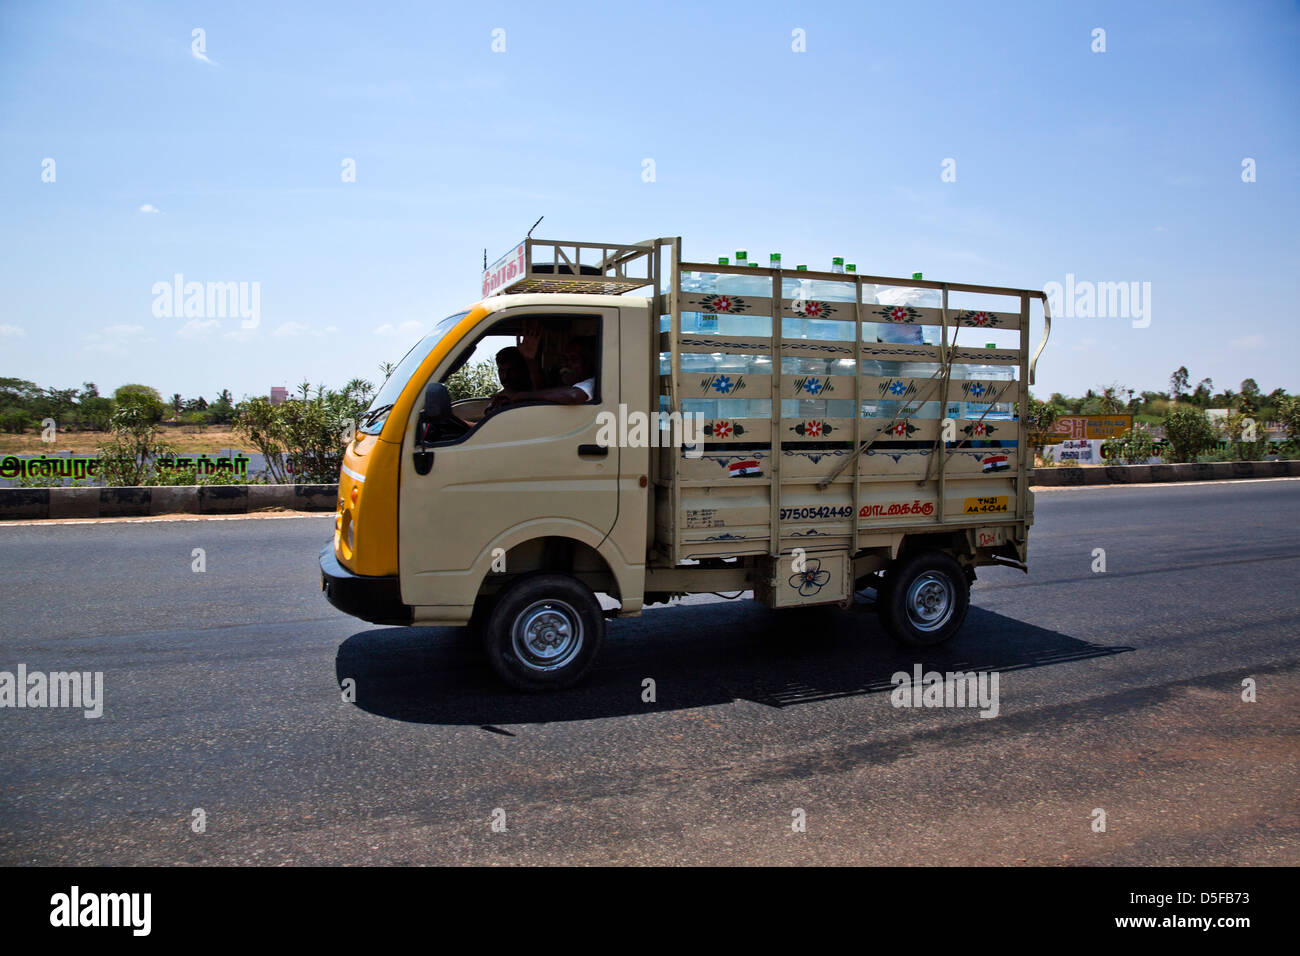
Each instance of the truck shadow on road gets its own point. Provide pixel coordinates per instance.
(697, 655)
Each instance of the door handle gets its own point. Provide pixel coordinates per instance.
(599, 450)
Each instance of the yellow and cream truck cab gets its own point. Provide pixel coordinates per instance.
(667, 427)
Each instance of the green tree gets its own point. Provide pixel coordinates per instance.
(1178, 383)
(61, 403)
(222, 411)
(142, 397)
(1111, 402)
(95, 412)
(1189, 433)
(1042, 417)
(1201, 396)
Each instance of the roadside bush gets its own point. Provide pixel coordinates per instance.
(1189, 433)
(1134, 447)
(191, 476)
(133, 443)
(1239, 429)
(474, 381)
(1288, 415)
(303, 439)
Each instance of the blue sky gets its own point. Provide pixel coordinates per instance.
(1122, 166)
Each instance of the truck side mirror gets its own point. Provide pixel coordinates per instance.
(436, 410)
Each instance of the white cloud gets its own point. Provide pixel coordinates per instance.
(124, 330)
(290, 329)
(149, 207)
(11, 332)
(406, 329)
(1248, 342)
(197, 327)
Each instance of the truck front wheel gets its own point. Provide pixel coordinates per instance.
(544, 632)
(924, 599)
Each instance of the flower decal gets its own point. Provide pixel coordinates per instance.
(812, 386)
(980, 320)
(898, 388)
(900, 429)
(898, 313)
(812, 429)
(724, 303)
(811, 579)
(723, 429)
(975, 388)
(979, 429)
(722, 384)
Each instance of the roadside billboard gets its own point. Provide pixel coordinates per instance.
(1089, 427)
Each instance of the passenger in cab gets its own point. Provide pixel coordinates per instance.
(577, 380)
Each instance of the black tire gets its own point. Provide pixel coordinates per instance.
(939, 593)
(567, 625)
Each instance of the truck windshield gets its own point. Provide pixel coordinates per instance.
(372, 422)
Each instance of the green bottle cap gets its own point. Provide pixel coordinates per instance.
(775, 260)
(742, 254)
(837, 261)
(990, 345)
(752, 265)
(801, 268)
(722, 260)
(851, 267)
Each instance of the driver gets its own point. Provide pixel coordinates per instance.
(577, 381)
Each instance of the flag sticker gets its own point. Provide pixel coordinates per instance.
(743, 469)
(996, 463)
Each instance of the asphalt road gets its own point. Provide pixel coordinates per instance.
(1119, 690)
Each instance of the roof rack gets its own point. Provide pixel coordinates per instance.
(552, 265)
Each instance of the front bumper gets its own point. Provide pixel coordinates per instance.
(377, 600)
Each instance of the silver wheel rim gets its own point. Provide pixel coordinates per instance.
(930, 601)
(546, 635)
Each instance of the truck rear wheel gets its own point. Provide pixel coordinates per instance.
(924, 599)
(544, 632)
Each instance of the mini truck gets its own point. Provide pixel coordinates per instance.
(846, 460)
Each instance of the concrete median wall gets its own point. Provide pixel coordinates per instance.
(28, 503)
(1140, 474)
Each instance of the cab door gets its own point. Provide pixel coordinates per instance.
(528, 472)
